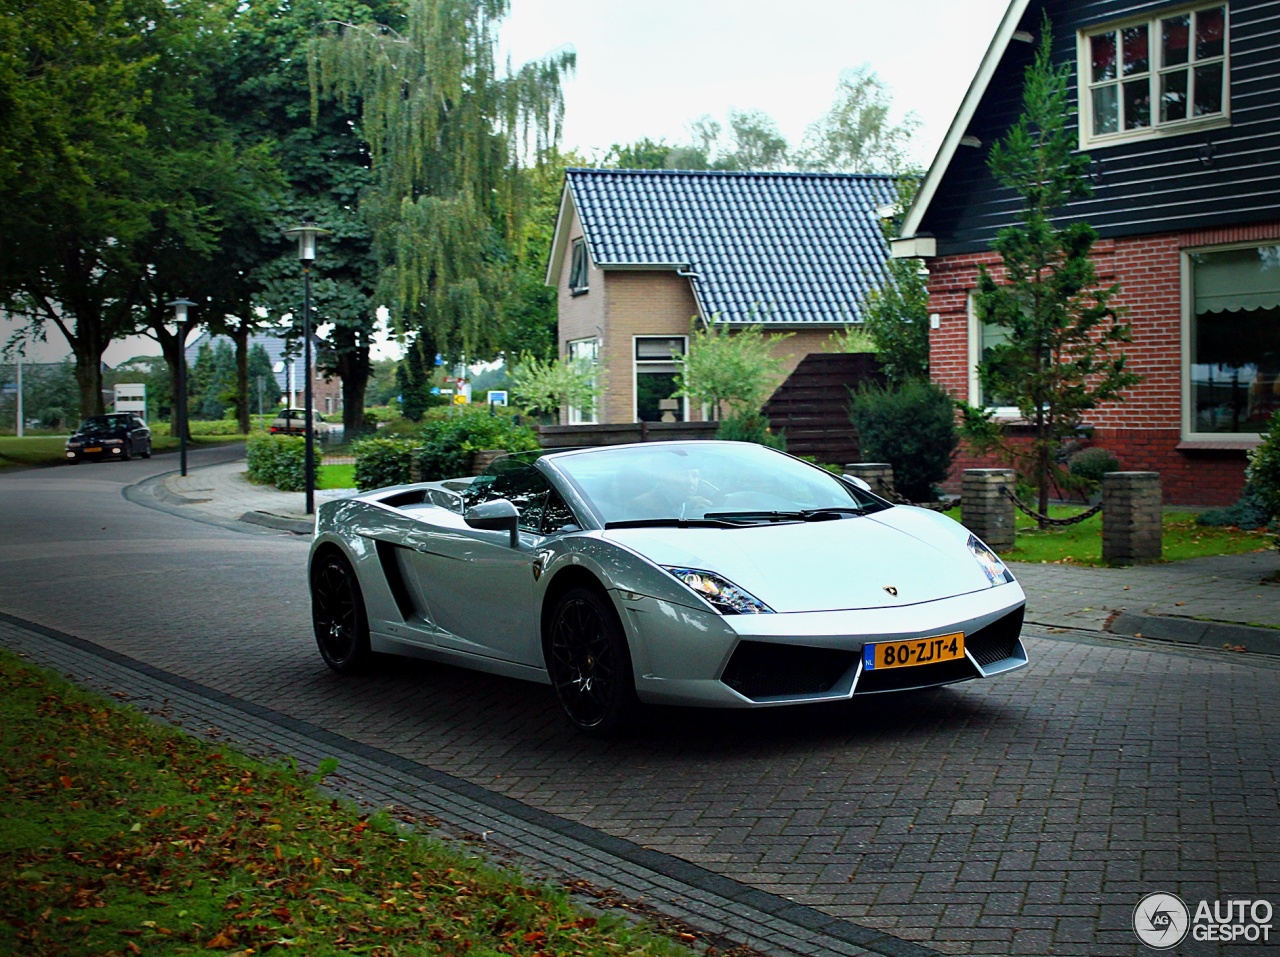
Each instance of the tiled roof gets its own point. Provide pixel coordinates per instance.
(764, 247)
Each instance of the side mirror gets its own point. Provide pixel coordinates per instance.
(498, 515)
(854, 480)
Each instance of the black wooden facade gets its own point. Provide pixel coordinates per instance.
(1199, 179)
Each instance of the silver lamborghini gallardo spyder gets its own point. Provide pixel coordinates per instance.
(719, 574)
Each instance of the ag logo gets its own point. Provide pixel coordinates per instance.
(1161, 921)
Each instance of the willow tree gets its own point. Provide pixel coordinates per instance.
(448, 134)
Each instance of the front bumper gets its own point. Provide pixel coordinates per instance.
(689, 657)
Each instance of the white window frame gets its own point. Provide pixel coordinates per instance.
(1156, 68)
(588, 348)
(1003, 412)
(1184, 360)
(652, 365)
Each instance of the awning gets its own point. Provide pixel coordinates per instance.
(1236, 280)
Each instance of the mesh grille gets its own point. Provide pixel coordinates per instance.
(998, 641)
(763, 670)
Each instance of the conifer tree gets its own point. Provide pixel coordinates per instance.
(1063, 355)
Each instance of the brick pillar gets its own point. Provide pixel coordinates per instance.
(879, 475)
(1132, 521)
(482, 460)
(984, 508)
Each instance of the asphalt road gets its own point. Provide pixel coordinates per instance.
(1025, 815)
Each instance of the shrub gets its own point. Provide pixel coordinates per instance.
(214, 427)
(448, 444)
(750, 427)
(1248, 512)
(279, 460)
(382, 461)
(1264, 470)
(1092, 463)
(911, 427)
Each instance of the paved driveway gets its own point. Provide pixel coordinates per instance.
(1026, 815)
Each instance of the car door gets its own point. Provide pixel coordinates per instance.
(480, 589)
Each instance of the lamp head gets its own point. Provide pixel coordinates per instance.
(180, 307)
(306, 235)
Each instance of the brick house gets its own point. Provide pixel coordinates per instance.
(638, 255)
(1178, 106)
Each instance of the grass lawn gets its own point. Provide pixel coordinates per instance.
(119, 836)
(32, 450)
(1081, 544)
(39, 450)
(336, 476)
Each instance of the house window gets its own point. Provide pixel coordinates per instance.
(983, 337)
(1161, 75)
(656, 374)
(587, 352)
(578, 269)
(1232, 339)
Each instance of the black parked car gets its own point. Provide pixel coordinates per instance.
(117, 435)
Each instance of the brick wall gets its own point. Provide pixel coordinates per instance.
(1144, 431)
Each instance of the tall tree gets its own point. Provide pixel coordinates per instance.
(448, 133)
(856, 135)
(105, 158)
(265, 95)
(758, 144)
(1063, 355)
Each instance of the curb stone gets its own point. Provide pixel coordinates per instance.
(1208, 634)
(286, 523)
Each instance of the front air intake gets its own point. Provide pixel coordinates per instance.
(760, 670)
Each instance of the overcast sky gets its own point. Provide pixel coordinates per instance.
(646, 69)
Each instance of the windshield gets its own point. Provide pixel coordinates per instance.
(716, 481)
(103, 423)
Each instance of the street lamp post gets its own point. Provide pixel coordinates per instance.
(306, 234)
(180, 307)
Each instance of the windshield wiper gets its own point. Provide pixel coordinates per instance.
(710, 521)
(800, 515)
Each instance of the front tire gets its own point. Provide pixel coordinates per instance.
(338, 616)
(127, 454)
(589, 664)
(146, 450)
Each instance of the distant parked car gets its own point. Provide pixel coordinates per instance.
(293, 422)
(117, 435)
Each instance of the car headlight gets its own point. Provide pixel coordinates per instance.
(994, 569)
(75, 444)
(724, 596)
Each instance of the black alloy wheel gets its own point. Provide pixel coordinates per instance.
(337, 615)
(128, 450)
(146, 450)
(589, 664)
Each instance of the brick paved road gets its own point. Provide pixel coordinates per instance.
(1026, 815)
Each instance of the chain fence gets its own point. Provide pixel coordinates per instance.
(1045, 519)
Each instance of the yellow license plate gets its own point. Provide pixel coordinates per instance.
(94, 448)
(914, 651)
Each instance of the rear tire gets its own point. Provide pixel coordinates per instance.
(338, 616)
(589, 663)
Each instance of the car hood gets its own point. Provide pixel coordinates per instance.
(826, 565)
(111, 432)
